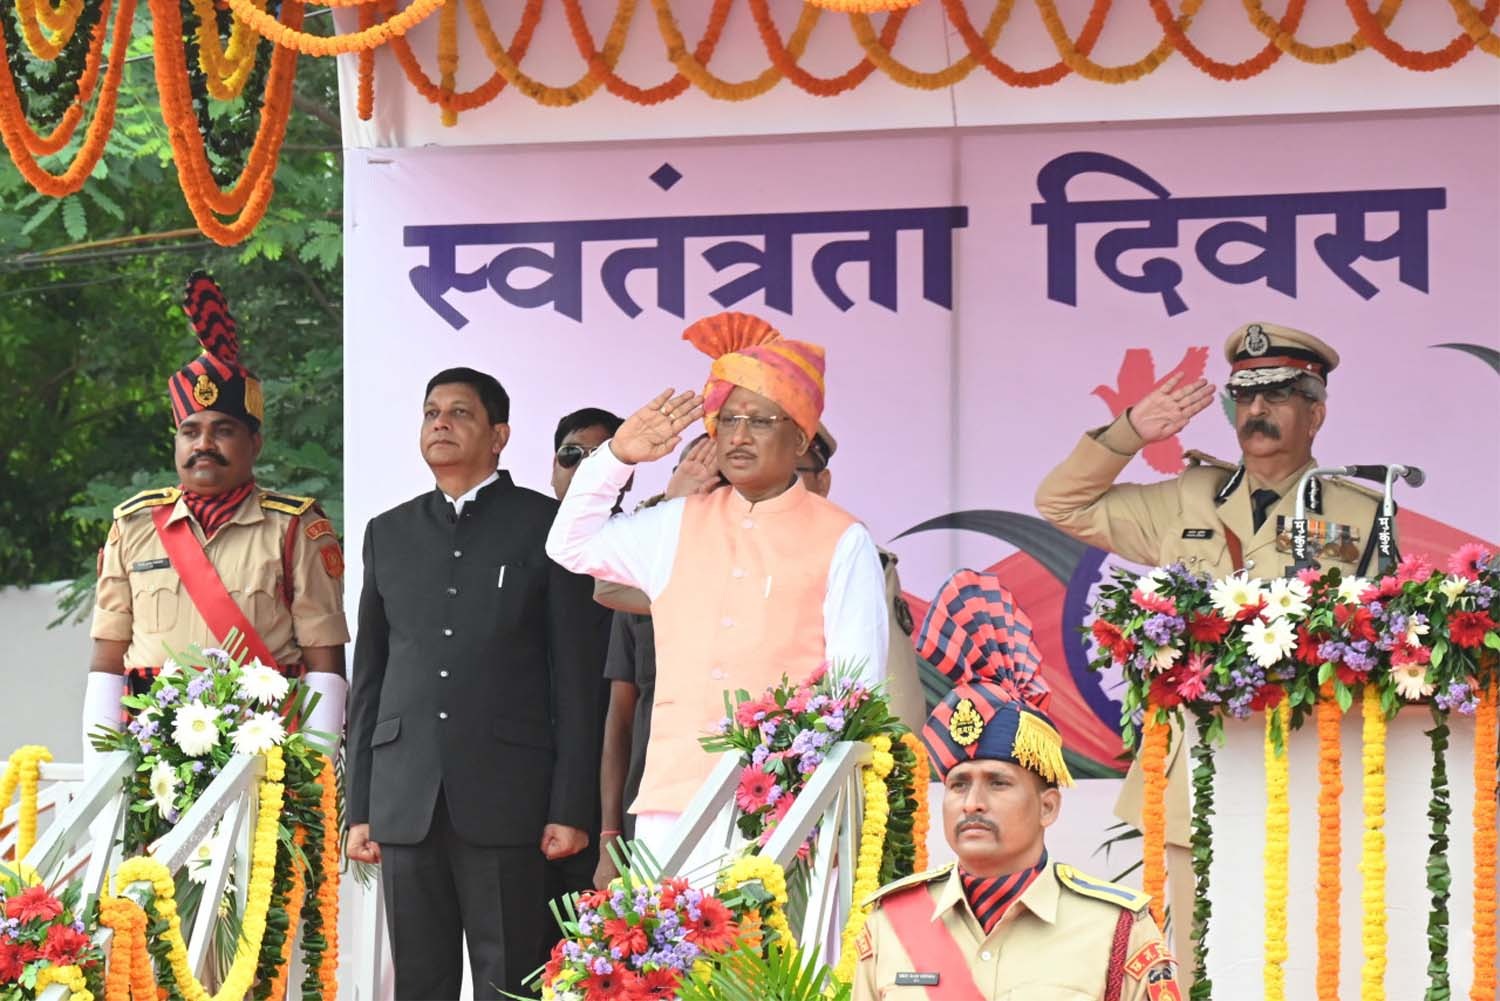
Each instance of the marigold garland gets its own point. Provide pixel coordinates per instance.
(289, 36)
(1330, 839)
(759, 869)
(226, 68)
(39, 21)
(470, 99)
(1373, 32)
(448, 61)
(1085, 67)
(712, 32)
(62, 133)
(715, 86)
(982, 48)
(1277, 852)
(544, 94)
(1372, 861)
(865, 6)
(70, 977)
(781, 57)
(1473, 23)
(24, 769)
(871, 851)
(241, 973)
(1156, 734)
(295, 895)
(1486, 733)
(921, 780)
(1215, 68)
(1320, 54)
(365, 105)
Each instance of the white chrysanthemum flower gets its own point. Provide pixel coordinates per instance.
(1411, 681)
(1165, 657)
(1350, 589)
(164, 788)
(258, 732)
(197, 729)
(1150, 583)
(170, 668)
(1415, 630)
(1453, 587)
(1234, 593)
(263, 685)
(1270, 642)
(1288, 598)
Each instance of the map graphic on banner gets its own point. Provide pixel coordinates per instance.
(985, 298)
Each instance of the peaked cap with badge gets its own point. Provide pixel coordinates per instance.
(1266, 354)
(214, 380)
(977, 635)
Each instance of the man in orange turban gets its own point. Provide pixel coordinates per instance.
(747, 582)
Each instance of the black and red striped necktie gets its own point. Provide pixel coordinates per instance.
(991, 896)
(213, 513)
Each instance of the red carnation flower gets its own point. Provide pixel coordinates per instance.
(656, 984)
(629, 939)
(755, 789)
(10, 961)
(1207, 627)
(1269, 697)
(34, 903)
(63, 944)
(715, 930)
(1357, 620)
(1467, 629)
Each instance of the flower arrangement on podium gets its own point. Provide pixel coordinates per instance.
(1313, 644)
(44, 939)
(201, 710)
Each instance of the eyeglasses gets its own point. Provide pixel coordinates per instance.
(1271, 394)
(572, 454)
(759, 426)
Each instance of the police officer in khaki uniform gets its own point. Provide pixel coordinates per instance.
(184, 564)
(1006, 922)
(1217, 517)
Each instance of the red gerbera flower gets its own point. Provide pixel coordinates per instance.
(1357, 621)
(612, 986)
(555, 963)
(34, 903)
(1467, 629)
(1106, 634)
(749, 714)
(658, 984)
(1153, 602)
(1415, 567)
(592, 900)
(1389, 587)
(1349, 676)
(1250, 611)
(1307, 647)
(670, 888)
(1269, 697)
(1465, 562)
(629, 939)
(63, 944)
(755, 789)
(1207, 627)
(1164, 688)
(10, 961)
(715, 930)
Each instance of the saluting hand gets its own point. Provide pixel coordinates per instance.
(1167, 409)
(656, 429)
(697, 473)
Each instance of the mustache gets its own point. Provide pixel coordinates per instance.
(210, 456)
(979, 822)
(1262, 425)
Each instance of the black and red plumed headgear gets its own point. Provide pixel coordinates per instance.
(215, 380)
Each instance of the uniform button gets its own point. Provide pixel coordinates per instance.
(747, 523)
(726, 622)
(442, 715)
(986, 956)
(737, 573)
(457, 553)
(447, 632)
(442, 674)
(452, 591)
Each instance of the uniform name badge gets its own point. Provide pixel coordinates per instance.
(917, 979)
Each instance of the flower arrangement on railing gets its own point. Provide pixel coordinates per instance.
(44, 939)
(783, 734)
(1312, 644)
(201, 710)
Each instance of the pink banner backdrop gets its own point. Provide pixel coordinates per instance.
(985, 297)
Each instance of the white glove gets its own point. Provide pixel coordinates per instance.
(101, 708)
(328, 715)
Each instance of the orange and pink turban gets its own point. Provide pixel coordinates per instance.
(749, 352)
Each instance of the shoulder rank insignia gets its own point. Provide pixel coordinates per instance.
(148, 498)
(1197, 458)
(1110, 893)
(286, 503)
(915, 879)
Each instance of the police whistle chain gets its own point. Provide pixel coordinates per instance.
(1385, 522)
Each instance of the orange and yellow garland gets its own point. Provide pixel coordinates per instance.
(1277, 852)
(1330, 835)
(1154, 740)
(1485, 737)
(24, 769)
(921, 780)
(1372, 864)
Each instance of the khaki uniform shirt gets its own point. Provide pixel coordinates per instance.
(1186, 518)
(1053, 944)
(141, 599)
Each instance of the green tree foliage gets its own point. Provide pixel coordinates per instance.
(91, 324)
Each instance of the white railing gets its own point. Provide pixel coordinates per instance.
(832, 801)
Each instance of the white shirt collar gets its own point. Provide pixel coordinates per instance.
(459, 502)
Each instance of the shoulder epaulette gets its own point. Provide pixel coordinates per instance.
(915, 879)
(1110, 893)
(1197, 458)
(286, 503)
(1375, 495)
(148, 498)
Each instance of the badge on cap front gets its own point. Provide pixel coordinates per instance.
(1256, 341)
(966, 724)
(205, 392)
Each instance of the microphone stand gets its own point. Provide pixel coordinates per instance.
(1301, 554)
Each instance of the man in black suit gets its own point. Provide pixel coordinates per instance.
(473, 736)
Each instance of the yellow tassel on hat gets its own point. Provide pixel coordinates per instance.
(1039, 747)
